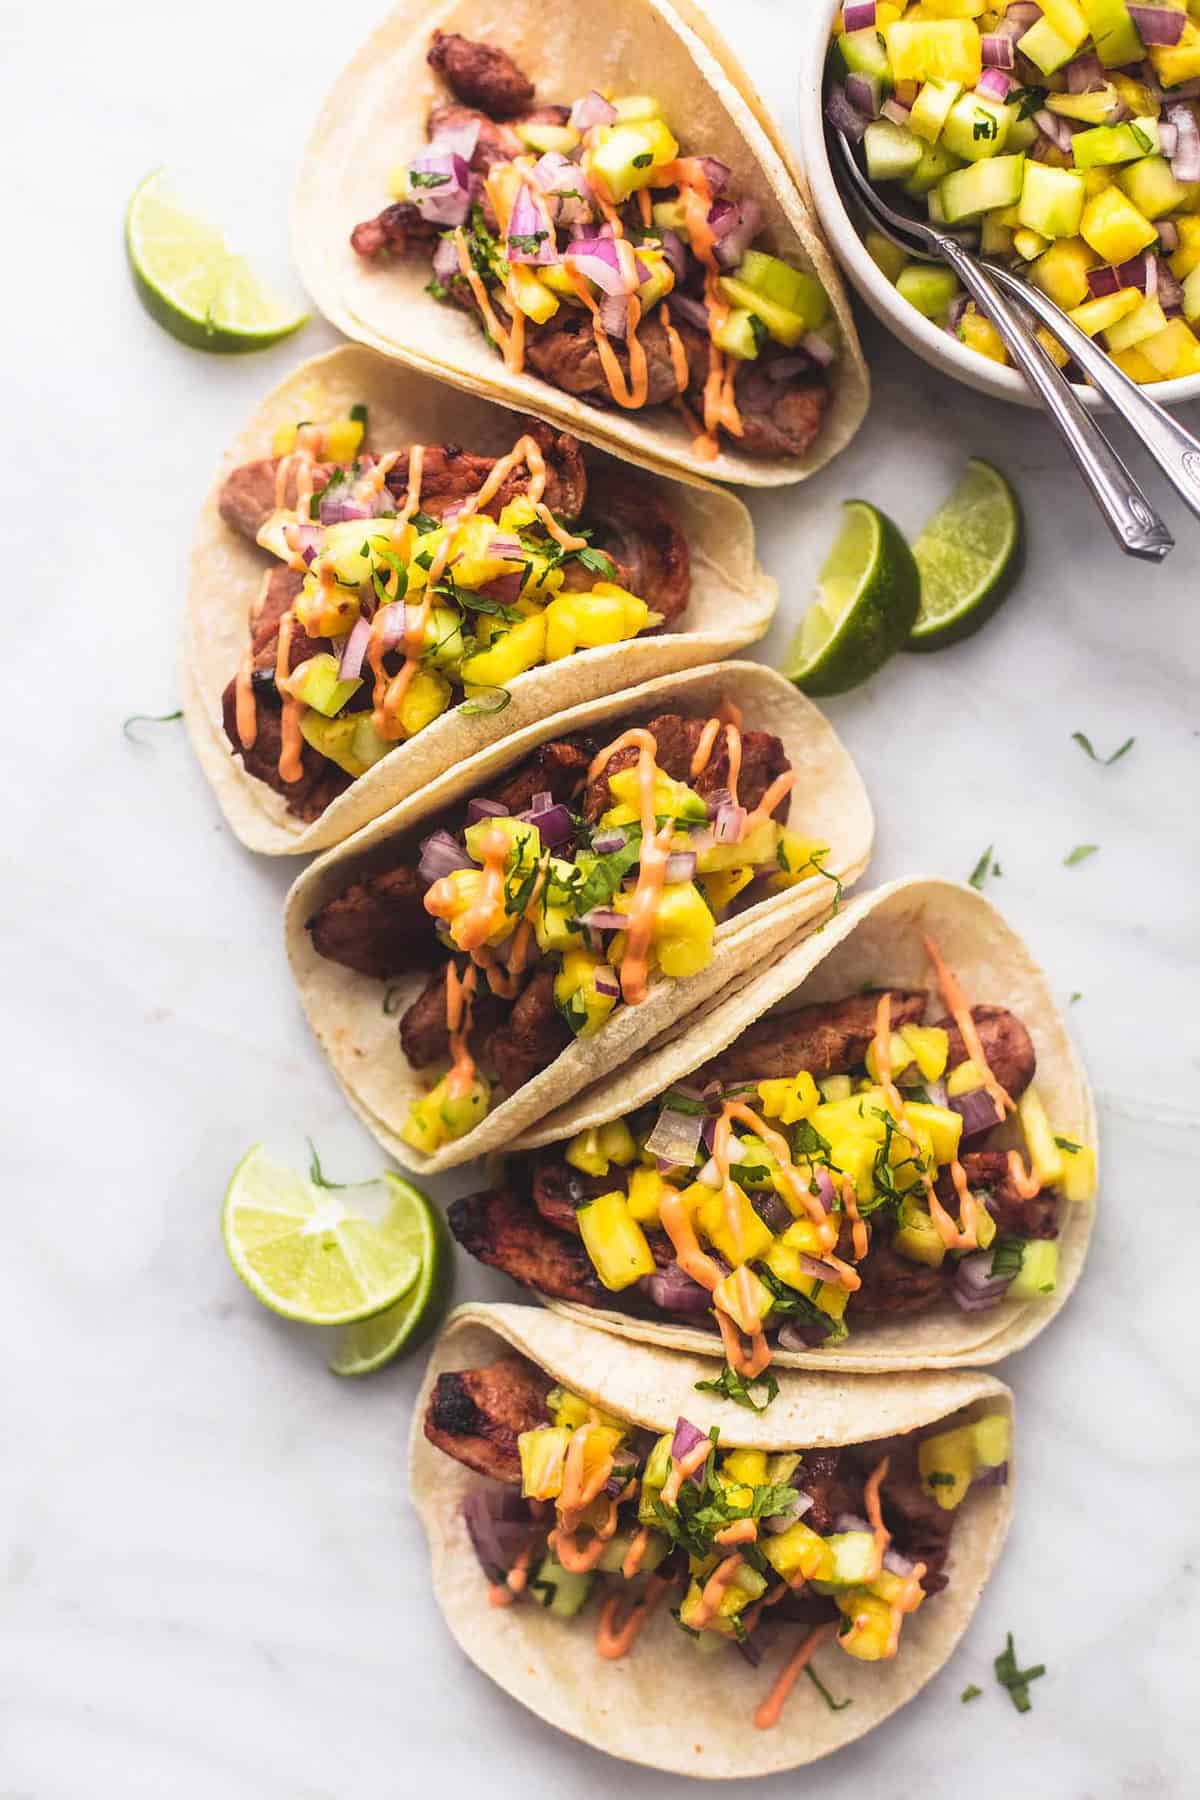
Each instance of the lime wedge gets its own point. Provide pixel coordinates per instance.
(868, 593)
(970, 556)
(306, 1252)
(400, 1328)
(192, 283)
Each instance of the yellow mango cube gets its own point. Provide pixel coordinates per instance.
(742, 1295)
(1115, 229)
(614, 1241)
(746, 1239)
(789, 1101)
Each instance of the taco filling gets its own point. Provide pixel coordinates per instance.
(561, 893)
(754, 1551)
(410, 580)
(835, 1163)
(597, 255)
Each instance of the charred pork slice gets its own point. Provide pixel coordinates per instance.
(396, 230)
(507, 1234)
(987, 1173)
(891, 1283)
(632, 525)
(827, 1038)
(480, 75)
(564, 353)
(534, 1033)
(378, 927)
(477, 1415)
(451, 474)
(763, 759)
(779, 418)
(1007, 1046)
(558, 768)
(247, 497)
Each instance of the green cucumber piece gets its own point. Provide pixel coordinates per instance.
(977, 127)
(559, 1590)
(892, 151)
(1052, 201)
(1038, 1274)
(936, 163)
(980, 188)
(1109, 144)
(928, 287)
(865, 53)
(1113, 32)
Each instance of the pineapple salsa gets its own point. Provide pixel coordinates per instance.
(1067, 131)
(833, 1546)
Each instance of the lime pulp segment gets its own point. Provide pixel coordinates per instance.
(867, 599)
(969, 557)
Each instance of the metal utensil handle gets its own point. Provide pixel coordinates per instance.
(1133, 521)
(1172, 446)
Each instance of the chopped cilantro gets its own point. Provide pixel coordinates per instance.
(1085, 743)
(1029, 99)
(970, 1692)
(759, 330)
(1016, 1680)
(425, 523)
(939, 1478)
(360, 415)
(482, 702)
(1074, 997)
(986, 866)
(827, 1697)
(148, 719)
(644, 160)
(426, 178)
(526, 243)
(1079, 854)
(601, 881)
(1007, 1256)
(732, 1386)
(597, 562)
(391, 998)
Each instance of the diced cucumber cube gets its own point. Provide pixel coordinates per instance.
(892, 151)
(1153, 188)
(559, 1590)
(864, 53)
(886, 256)
(1130, 330)
(1038, 1274)
(981, 188)
(1045, 48)
(931, 108)
(935, 164)
(1109, 144)
(1113, 32)
(1052, 201)
(977, 127)
(928, 287)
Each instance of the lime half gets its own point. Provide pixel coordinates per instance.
(307, 1252)
(192, 283)
(400, 1328)
(970, 555)
(868, 593)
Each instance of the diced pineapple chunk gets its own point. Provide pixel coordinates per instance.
(1114, 227)
(614, 1241)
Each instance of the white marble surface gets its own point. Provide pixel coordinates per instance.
(211, 1584)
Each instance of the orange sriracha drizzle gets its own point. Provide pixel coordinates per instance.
(767, 1715)
(613, 1640)
(655, 848)
(961, 1236)
(459, 995)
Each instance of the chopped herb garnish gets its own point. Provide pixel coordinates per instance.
(597, 562)
(828, 874)
(1007, 1256)
(604, 877)
(1030, 100)
(674, 1101)
(482, 702)
(827, 1697)
(939, 1478)
(1074, 997)
(985, 127)
(1085, 743)
(644, 160)
(426, 178)
(732, 1386)
(360, 416)
(1079, 854)
(526, 243)
(970, 1692)
(983, 868)
(759, 330)
(1014, 1679)
(425, 523)
(391, 998)
(1066, 1144)
(149, 719)
(317, 1175)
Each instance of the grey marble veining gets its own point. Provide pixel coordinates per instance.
(210, 1582)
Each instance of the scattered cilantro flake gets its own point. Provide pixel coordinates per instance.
(1079, 854)
(732, 1386)
(391, 998)
(987, 865)
(1016, 1680)
(360, 415)
(1085, 743)
(148, 719)
(970, 1692)
(1074, 997)
(1066, 1144)
(597, 562)
(315, 1172)
(827, 1697)
(426, 178)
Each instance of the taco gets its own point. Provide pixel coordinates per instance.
(597, 1524)
(581, 213)
(390, 575)
(537, 916)
(879, 1153)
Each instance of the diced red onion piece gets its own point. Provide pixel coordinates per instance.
(975, 1273)
(734, 245)
(676, 1136)
(892, 109)
(597, 258)
(607, 843)
(1168, 139)
(1084, 73)
(541, 802)
(1157, 24)
(819, 348)
(445, 260)
(673, 1290)
(978, 1111)
(1185, 160)
(848, 1521)
(865, 94)
(592, 109)
(554, 823)
(390, 622)
(730, 823)
(819, 1271)
(485, 809)
(441, 855)
(794, 1336)
(998, 53)
(1170, 291)
(1135, 272)
(529, 238)
(607, 986)
(771, 1210)
(693, 312)
(680, 867)
(858, 15)
(1103, 281)
(787, 368)
(937, 1092)
(675, 253)
(824, 1181)
(604, 918)
(685, 1441)
(614, 315)
(994, 84)
(354, 650)
(449, 202)
(843, 116)
(896, 1564)
(499, 1527)
(1024, 13)
(778, 1522)
(457, 140)
(995, 1476)
(1056, 129)
(716, 173)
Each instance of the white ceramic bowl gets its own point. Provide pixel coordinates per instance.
(929, 341)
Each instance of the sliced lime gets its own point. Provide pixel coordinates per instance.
(192, 283)
(970, 556)
(307, 1251)
(868, 593)
(373, 1342)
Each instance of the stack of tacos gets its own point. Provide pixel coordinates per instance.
(848, 1532)
(581, 213)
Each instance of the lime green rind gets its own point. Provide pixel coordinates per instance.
(402, 1328)
(970, 557)
(877, 616)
